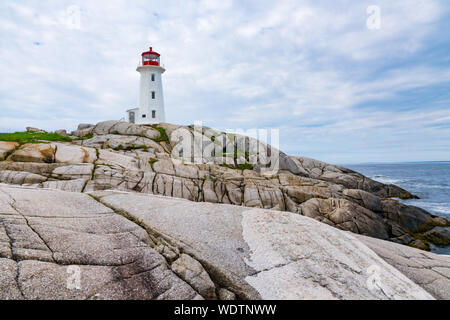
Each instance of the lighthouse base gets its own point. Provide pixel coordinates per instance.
(137, 117)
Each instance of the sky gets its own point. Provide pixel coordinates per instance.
(343, 81)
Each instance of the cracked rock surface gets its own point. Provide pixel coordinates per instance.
(260, 253)
(48, 237)
(128, 157)
(122, 207)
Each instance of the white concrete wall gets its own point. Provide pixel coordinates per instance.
(146, 103)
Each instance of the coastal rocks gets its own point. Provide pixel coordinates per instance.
(191, 271)
(125, 128)
(62, 132)
(74, 154)
(438, 235)
(430, 271)
(346, 216)
(258, 253)
(135, 246)
(6, 147)
(76, 185)
(32, 129)
(83, 126)
(20, 178)
(62, 245)
(152, 160)
(34, 152)
(119, 142)
(349, 178)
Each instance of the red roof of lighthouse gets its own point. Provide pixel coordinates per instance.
(151, 52)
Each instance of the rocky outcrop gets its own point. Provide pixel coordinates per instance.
(156, 160)
(61, 245)
(7, 147)
(430, 271)
(121, 245)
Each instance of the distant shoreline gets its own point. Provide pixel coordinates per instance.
(401, 162)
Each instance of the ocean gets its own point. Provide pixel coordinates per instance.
(428, 180)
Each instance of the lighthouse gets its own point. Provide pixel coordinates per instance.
(150, 109)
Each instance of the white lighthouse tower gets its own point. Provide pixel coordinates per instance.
(151, 100)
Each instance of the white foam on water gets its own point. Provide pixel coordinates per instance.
(438, 207)
(386, 180)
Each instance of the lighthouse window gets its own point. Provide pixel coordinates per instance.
(153, 77)
(153, 114)
(153, 94)
(144, 115)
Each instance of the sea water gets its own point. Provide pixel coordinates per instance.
(428, 180)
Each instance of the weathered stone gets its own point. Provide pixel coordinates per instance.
(62, 132)
(82, 126)
(431, 271)
(18, 177)
(141, 162)
(111, 158)
(32, 129)
(73, 237)
(191, 271)
(347, 216)
(6, 147)
(81, 133)
(438, 235)
(76, 185)
(224, 294)
(38, 152)
(74, 154)
(267, 254)
(74, 171)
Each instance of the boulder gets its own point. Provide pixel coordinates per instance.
(19, 177)
(191, 271)
(62, 132)
(438, 235)
(64, 245)
(431, 271)
(74, 154)
(34, 152)
(6, 147)
(129, 157)
(35, 130)
(83, 126)
(258, 253)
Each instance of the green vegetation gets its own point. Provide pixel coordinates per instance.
(406, 196)
(32, 137)
(243, 166)
(86, 136)
(131, 147)
(162, 135)
(152, 161)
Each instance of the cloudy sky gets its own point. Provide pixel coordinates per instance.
(338, 90)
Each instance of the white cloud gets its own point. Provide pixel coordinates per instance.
(302, 66)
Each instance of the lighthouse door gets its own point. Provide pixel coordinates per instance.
(131, 117)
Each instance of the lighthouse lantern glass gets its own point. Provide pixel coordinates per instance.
(150, 59)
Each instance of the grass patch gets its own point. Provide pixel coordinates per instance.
(406, 196)
(243, 166)
(90, 135)
(162, 135)
(132, 147)
(32, 137)
(152, 161)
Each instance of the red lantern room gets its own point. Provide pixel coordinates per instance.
(150, 58)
